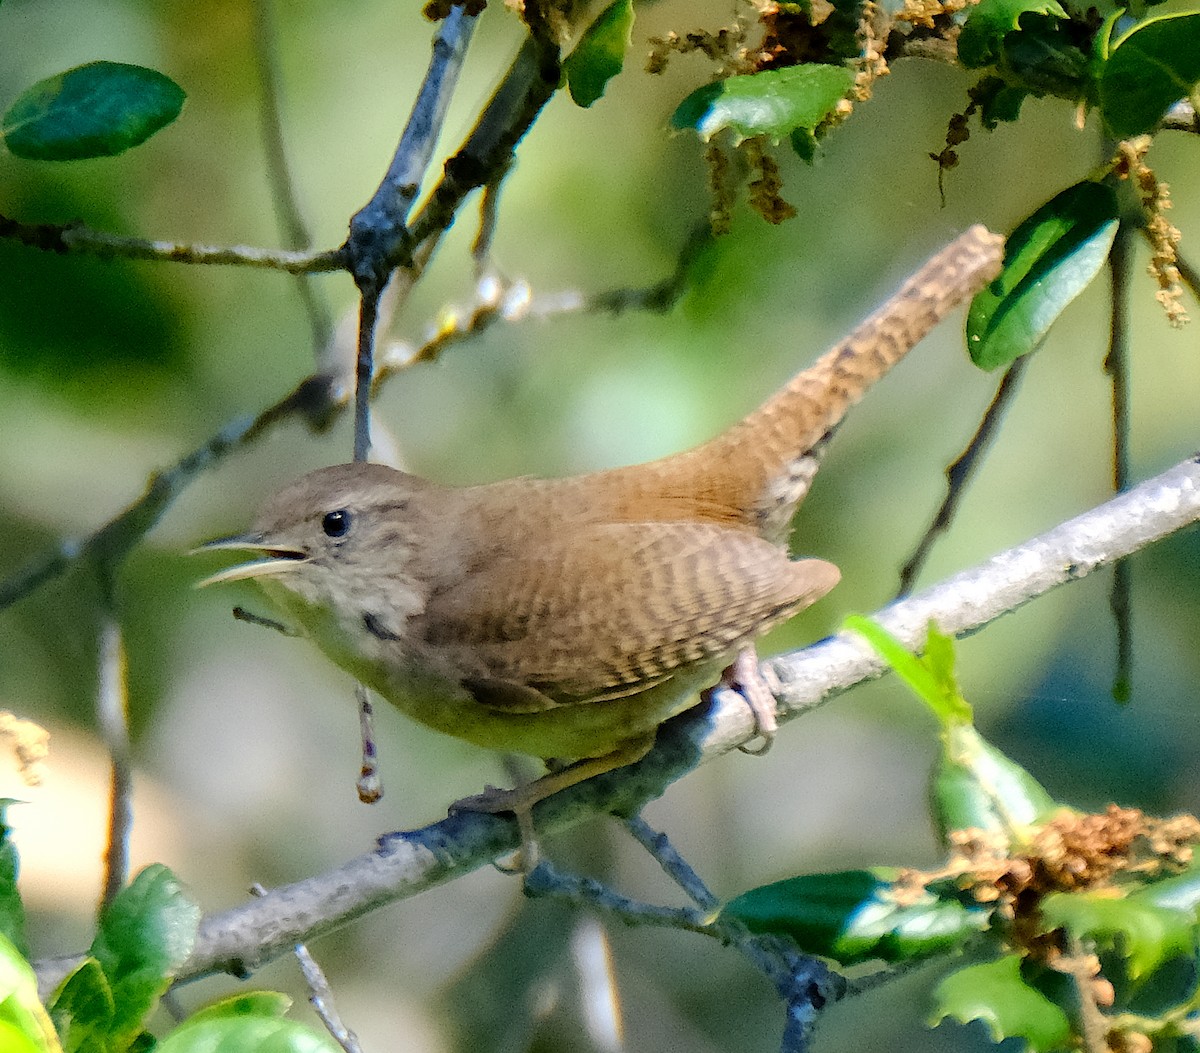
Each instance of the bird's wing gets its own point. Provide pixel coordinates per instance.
(609, 610)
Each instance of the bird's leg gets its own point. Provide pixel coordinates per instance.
(521, 799)
(759, 687)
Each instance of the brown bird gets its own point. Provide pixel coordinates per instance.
(568, 618)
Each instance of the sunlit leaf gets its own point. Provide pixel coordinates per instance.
(1150, 68)
(24, 1025)
(859, 915)
(600, 54)
(931, 678)
(773, 103)
(989, 21)
(252, 1033)
(1146, 935)
(995, 993)
(1048, 261)
(97, 110)
(251, 1003)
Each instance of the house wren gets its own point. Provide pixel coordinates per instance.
(568, 618)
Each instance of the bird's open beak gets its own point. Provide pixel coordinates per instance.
(275, 558)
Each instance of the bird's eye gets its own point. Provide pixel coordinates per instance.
(336, 524)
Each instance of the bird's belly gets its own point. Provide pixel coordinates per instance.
(569, 731)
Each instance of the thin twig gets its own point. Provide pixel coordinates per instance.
(320, 997)
(673, 864)
(364, 372)
(75, 237)
(527, 86)
(1116, 365)
(547, 880)
(960, 473)
(804, 983)
(283, 191)
(379, 228)
(112, 718)
(110, 544)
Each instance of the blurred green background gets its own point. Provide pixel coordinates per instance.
(247, 742)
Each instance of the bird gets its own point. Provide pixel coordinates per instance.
(568, 618)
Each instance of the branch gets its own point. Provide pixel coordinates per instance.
(75, 237)
(378, 229)
(406, 863)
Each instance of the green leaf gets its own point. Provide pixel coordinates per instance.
(930, 678)
(25, 1026)
(773, 103)
(990, 21)
(1048, 261)
(859, 915)
(82, 1009)
(96, 110)
(1147, 935)
(252, 1003)
(976, 786)
(145, 935)
(995, 993)
(252, 1033)
(1150, 68)
(600, 54)
(1178, 892)
(12, 910)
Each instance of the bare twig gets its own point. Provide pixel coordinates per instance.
(526, 88)
(673, 864)
(368, 314)
(75, 237)
(407, 863)
(109, 545)
(320, 996)
(378, 229)
(804, 983)
(283, 191)
(960, 473)
(112, 717)
(1116, 365)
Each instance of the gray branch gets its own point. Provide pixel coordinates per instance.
(406, 863)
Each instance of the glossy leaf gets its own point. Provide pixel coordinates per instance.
(773, 103)
(600, 54)
(24, 1025)
(12, 911)
(976, 786)
(858, 915)
(990, 21)
(996, 994)
(1048, 261)
(97, 110)
(1178, 892)
(1146, 934)
(145, 935)
(1150, 68)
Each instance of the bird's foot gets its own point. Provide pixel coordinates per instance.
(759, 687)
(520, 801)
